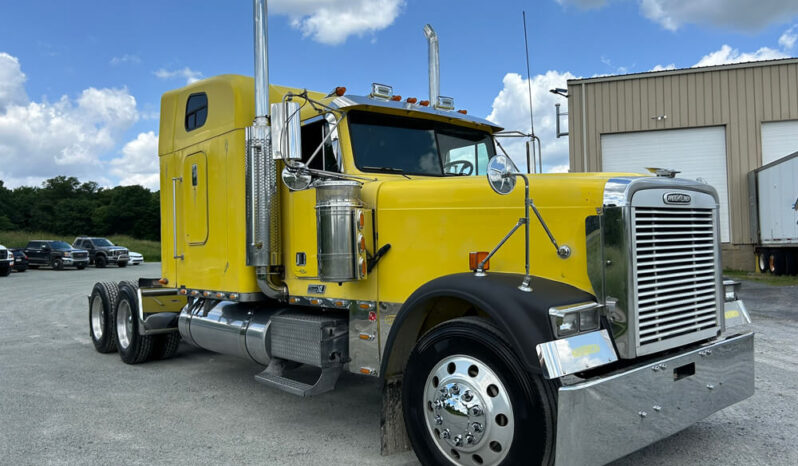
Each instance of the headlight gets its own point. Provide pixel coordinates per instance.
(67, 254)
(730, 288)
(574, 318)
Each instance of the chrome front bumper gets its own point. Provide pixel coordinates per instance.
(603, 419)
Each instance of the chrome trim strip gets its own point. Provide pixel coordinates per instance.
(576, 354)
(560, 311)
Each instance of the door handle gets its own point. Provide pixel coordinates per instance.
(174, 217)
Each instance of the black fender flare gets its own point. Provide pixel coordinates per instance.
(522, 316)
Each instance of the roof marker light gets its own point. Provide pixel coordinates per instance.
(381, 91)
(424, 103)
(396, 98)
(412, 100)
(463, 111)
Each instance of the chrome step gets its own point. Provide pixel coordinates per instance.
(273, 376)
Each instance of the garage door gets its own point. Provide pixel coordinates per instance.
(696, 152)
(779, 138)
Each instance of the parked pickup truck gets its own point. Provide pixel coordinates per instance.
(6, 261)
(56, 254)
(102, 251)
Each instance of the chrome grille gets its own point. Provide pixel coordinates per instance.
(80, 255)
(676, 274)
(3, 254)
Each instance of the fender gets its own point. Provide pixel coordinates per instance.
(523, 316)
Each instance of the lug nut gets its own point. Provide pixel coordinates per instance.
(476, 411)
(477, 427)
(455, 389)
(438, 420)
(469, 439)
(458, 440)
(445, 434)
(467, 396)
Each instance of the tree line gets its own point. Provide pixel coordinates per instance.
(65, 206)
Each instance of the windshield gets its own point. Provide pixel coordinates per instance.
(386, 143)
(101, 242)
(60, 245)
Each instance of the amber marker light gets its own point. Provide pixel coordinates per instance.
(396, 98)
(164, 281)
(340, 90)
(206, 293)
(424, 103)
(474, 258)
(183, 291)
(364, 306)
(315, 302)
(463, 111)
(292, 300)
(412, 100)
(361, 220)
(220, 295)
(366, 371)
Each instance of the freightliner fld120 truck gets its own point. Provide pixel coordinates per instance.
(388, 238)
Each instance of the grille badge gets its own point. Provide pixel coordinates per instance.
(677, 198)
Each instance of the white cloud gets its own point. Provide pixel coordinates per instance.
(787, 40)
(333, 21)
(187, 73)
(12, 82)
(511, 110)
(735, 14)
(126, 58)
(670, 66)
(39, 140)
(726, 55)
(139, 162)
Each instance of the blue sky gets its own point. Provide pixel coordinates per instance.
(80, 82)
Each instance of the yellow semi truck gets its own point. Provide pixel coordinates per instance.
(513, 318)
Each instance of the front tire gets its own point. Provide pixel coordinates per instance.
(122, 264)
(133, 347)
(100, 262)
(468, 400)
(102, 302)
(58, 264)
(80, 267)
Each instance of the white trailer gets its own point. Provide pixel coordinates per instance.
(774, 192)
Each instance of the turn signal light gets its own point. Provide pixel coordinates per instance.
(474, 258)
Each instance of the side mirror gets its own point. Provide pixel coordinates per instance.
(296, 179)
(286, 131)
(45, 248)
(501, 174)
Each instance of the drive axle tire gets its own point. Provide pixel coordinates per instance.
(58, 264)
(468, 400)
(102, 303)
(100, 262)
(165, 345)
(133, 347)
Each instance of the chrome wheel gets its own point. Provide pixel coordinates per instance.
(124, 324)
(97, 317)
(468, 411)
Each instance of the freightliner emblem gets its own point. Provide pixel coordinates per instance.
(677, 198)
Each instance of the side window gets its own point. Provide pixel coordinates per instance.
(196, 111)
(312, 135)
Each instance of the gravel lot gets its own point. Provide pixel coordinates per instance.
(63, 403)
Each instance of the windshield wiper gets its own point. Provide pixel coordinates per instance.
(398, 171)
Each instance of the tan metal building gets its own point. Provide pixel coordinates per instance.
(714, 123)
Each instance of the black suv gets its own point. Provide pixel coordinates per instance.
(20, 259)
(57, 254)
(102, 252)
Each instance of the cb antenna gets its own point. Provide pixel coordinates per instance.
(531, 115)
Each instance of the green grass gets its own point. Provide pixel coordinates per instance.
(19, 239)
(783, 280)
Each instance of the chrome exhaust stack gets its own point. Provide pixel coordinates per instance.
(434, 65)
(263, 203)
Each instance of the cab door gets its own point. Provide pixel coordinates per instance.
(195, 199)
